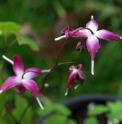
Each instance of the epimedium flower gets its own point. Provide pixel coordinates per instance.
(22, 80)
(75, 74)
(92, 36)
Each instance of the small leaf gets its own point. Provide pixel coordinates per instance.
(91, 120)
(98, 109)
(55, 107)
(20, 105)
(8, 28)
(22, 39)
(61, 109)
(55, 119)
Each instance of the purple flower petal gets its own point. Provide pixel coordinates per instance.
(10, 82)
(92, 44)
(107, 35)
(20, 88)
(18, 66)
(80, 74)
(31, 86)
(93, 25)
(31, 73)
(72, 78)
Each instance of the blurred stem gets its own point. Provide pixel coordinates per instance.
(56, 63)
(5, 37)
(8, 109)
(62, 63)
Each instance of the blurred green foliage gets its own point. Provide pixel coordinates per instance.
(45, 15)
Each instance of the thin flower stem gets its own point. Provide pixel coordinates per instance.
(56, 63)
(66, 63)
(8, 109)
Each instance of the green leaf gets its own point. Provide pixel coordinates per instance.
(22, 39)
(55, 107)
(8, 28)
(70, 121)
(20, 104)
(91, 120)
(61, 109)
(55, 119)
(98, 109)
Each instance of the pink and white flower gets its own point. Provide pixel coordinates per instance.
(75, 74)
(22, 80)
(92, 36)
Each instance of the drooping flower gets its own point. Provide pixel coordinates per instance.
(22, 80)
(92, 35)
(75, 74)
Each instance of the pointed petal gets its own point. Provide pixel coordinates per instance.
(93, 25)
(72, 78)
(31, 86)
(40, 104)
(20, 88)
(10, 82)
(107, 35)
(92, 46)
(31, 73)
(18, 66)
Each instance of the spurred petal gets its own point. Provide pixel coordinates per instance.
(31, 73)
(92, 44)
(31, 86)
(10, 82)
(93, 25)
(20, 88)
(107, 35)
(18, 66)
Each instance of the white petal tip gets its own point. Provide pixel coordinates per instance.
(92, 67)
(45, 71)
(76, 86)
(66, 92)
(59, 38)
(92, 17)
(39, 103)
(7, 59)
(1, 91)
(120, 37)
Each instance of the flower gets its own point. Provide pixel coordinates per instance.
(92, 35)
(75, 74)
(22, 80)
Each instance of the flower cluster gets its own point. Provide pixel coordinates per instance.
(23, 79)
(92, 36)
